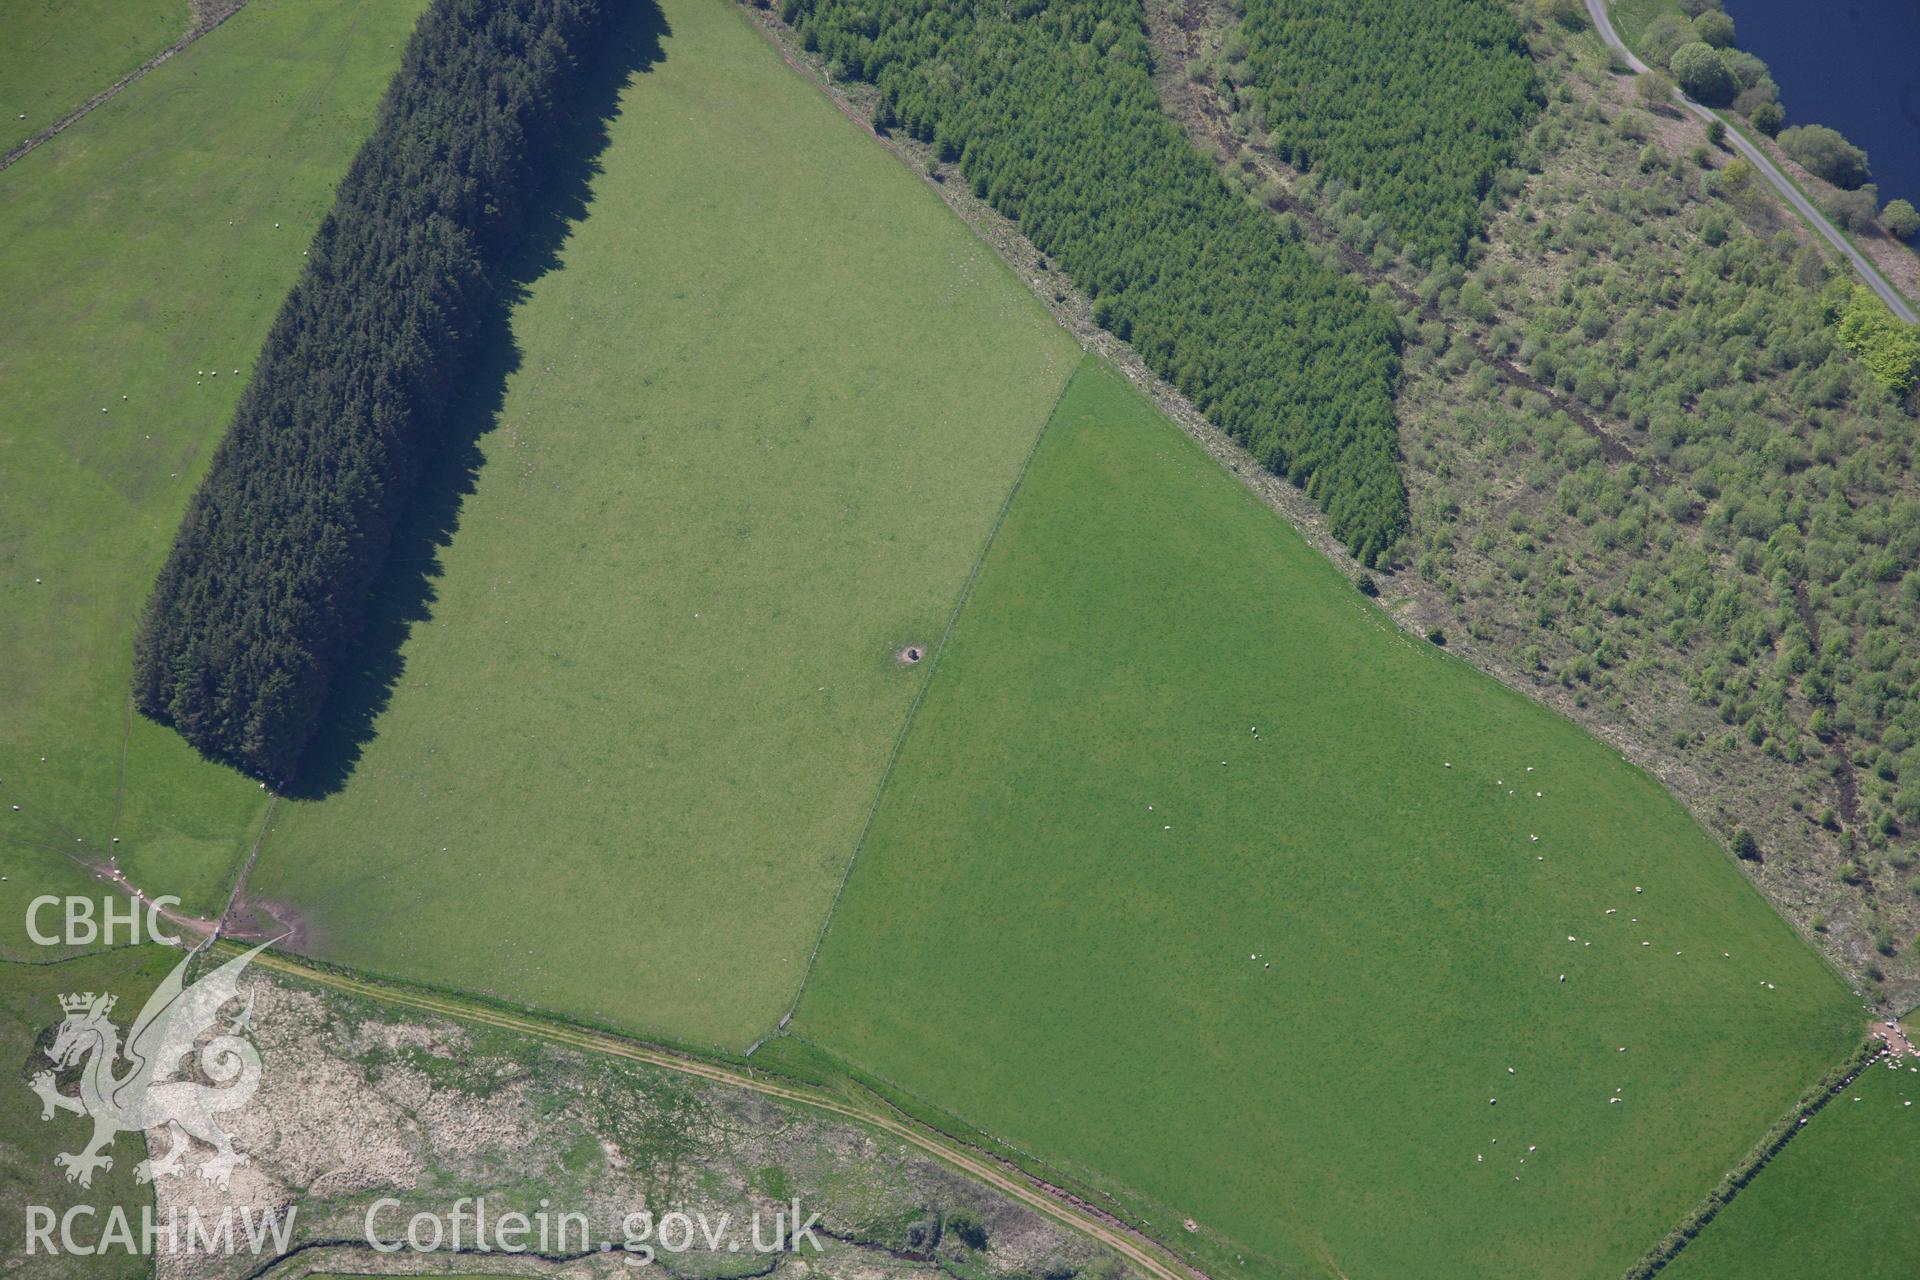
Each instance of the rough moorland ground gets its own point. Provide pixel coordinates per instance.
(356, 1105)
(1416, 951)
(742, 449)
(143, 253)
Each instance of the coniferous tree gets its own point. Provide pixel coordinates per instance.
(1418, 106)
(266, 585)
(1049, 108)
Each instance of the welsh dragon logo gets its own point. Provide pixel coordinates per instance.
(151, 1093)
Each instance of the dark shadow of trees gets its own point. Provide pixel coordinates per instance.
(406, 592)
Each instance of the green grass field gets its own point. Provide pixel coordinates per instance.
(766, 411)
(1050, 926)
(1357, 992)
(138, 249)
(59, 53)
(30, 1004)
(1839, 1201)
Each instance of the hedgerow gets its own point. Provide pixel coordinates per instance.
(264, 590)
(1049, 108)
(1811, 1102)
(1419, 106)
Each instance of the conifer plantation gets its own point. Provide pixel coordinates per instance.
(266, 585)
(1420, 109)
(1050, 110)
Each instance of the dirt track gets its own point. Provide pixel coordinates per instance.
(1061, 1207)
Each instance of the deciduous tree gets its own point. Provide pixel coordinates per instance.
(1826, 154)
(1701, 71)
(1655, 88)
(1714, 27)
(1900, 219)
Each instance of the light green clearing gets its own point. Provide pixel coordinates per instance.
(56, 54)
(767, 410)
(1839, 1201)
(136, 249)
(1049, 928)
(1631, 18)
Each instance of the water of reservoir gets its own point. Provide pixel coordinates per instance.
(1853, 65)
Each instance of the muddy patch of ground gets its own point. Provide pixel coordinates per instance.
(255, 919)
(1898, 1043)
